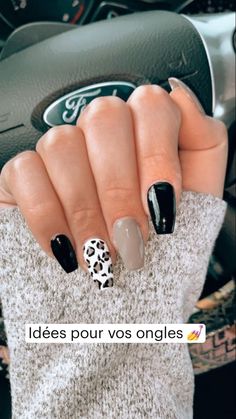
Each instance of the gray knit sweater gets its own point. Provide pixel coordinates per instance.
(99, 381)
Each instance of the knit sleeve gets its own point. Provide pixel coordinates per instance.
(105, 380)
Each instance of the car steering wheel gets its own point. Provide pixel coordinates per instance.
(58, 76)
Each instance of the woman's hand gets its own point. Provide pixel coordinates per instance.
(86, 192)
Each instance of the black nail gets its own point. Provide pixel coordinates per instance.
(162, 207)
(64, 253)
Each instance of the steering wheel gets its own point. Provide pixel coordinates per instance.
(49, 82)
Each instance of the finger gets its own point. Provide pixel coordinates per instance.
(156, 121)
(107, 126)
(63, 151)
(25, 179)
(6, 199)
(203, 144)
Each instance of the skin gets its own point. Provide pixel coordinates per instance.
(82, 178)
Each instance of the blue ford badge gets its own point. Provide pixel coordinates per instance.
(67, 109)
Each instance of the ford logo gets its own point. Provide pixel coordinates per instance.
(67, 109)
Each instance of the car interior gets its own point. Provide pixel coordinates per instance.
(51, 50)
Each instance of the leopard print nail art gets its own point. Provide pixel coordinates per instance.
(98, 259)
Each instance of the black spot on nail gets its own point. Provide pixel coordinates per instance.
(108, 283)
(90, 251)
(97, 267)
(100, 245)
(98, 282)
(106, 256)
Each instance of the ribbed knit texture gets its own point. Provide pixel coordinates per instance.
(99, 381)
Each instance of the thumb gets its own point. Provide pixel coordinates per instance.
(203, 143)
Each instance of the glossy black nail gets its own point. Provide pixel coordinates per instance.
(64, 253)
(162, 207)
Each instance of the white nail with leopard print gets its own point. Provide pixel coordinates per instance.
(99, 263)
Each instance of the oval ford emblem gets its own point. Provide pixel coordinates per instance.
(67, 109)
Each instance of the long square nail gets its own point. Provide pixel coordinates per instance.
(162, 207)
(64, 252)
(129, 242)
(99, 263)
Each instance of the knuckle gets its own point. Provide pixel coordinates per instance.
(57, 137)
(162, 156)
(83, 218)
(156, 98)
(102, 107)
(101, 104)
(149, 92)
(41, 208)
(118, 194)
(21, 160)
(120, 201)
(163, 165)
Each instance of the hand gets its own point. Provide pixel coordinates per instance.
(86, 192)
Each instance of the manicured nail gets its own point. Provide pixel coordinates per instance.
(161, 204)
(64, 253)
(175, 83)
(128, 240)
(99, 263)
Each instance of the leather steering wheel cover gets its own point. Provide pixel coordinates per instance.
(140, 48)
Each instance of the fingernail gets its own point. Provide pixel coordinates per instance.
(99, 263)
(128, 240)
(175, 83)
(64, 253)
(161, 204)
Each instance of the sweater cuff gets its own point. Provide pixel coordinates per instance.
(105, 380)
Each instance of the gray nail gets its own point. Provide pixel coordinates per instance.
(174, 83)
(129, 243)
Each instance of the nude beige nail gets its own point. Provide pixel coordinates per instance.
(128, 240)
(176, 83)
